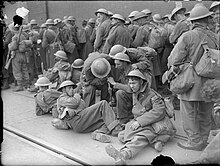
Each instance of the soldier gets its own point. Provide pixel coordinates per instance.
(42, 51)
(73, 113)
(149, 111)
(118, 34)
(71, 26)
(142, 40)
(61, 69)
(45, 98)
(196, 113)
(88, 48)
(96, 68)
(182, 25)
(19, 63)
(7, 74)
(133, 27)
(102, 30)
(48, 43)
(215, 8)
(34, 56)
(77, 67)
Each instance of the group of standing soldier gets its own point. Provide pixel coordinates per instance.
(128, 57)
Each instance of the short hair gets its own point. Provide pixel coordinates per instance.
(162, 160)
(211, 90)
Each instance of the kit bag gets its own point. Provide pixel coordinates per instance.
(69, 46)
(184, 79)
(209, 64)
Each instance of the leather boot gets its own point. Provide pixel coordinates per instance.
(5, 84)
(19, 87)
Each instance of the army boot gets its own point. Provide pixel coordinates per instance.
(5, 84)
(19, 87)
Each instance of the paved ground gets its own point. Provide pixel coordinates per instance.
(19, 114)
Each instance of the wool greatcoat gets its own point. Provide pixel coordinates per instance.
(102, 32)
(84, 119)
(195, 112)
(148, 109)
(118, 34)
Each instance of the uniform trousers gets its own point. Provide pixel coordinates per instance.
(19, 65)
(124, 106)
(89, 94)
(93, 117)
(196, 117)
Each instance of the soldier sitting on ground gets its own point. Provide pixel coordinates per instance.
(45, 98)
(73, 114)
(150, 124)
(61, 70)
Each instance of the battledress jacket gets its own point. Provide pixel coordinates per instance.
(148, 108)
(45, 100)
(184, 51)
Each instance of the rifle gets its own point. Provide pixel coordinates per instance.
(8, 60)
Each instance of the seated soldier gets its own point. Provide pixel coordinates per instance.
(96, 69)
(73, 114)
(150, 124)
(61, 70)
(77, 67)
(45, 98)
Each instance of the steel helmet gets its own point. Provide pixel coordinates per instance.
(71, 18)
(43, 81)
(165, 16)
(100, 67)
(103, 11)
(61, 54)
(65, 17)
(78, 63)
(137, 73)
(33, 22)
(57, 20)
(66, 83)
(49, 22)
(139, 15)
(26, 28)
(110, 13)
(116, 49)
(132, 14)
(199, 12)
(214, 4)
(43, 25)
(174, 11)
(146, 11)
(119, 17)
(157, 18)
(92, 20)
(122, 57)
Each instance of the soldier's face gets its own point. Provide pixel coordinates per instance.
(135, 84)
(100, 16)
(69, 90)
(119, 64)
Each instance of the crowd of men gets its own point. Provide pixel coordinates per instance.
(125, 60)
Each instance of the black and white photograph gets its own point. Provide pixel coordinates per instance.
(110, 82)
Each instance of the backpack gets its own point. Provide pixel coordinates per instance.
(157, 37)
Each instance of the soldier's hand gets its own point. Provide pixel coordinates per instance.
(134, 66)
(111, 81)
(135, 125)
(77, 96)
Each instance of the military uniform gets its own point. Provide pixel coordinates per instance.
(88, 48)
(19, 63)
(133, 30)
(196, 113)
(148, 109)
(93, 83)
(46, 101)
(102, 32)
(48, 44)
(84, 119)
(118, 34)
